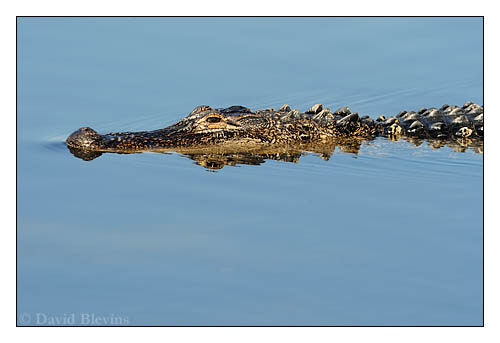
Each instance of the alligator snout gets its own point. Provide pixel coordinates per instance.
(84, 138)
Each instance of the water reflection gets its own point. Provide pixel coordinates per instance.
(217, 157)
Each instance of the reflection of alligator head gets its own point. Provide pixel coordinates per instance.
(234, 135)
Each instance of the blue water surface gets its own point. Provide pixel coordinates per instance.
(389, 236)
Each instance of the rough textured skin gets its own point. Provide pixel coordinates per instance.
(237, 129)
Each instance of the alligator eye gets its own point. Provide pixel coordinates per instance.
(213, 119)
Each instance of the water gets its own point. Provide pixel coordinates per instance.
(389, 236)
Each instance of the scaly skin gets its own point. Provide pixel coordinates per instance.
(237, 128)
(234, 125)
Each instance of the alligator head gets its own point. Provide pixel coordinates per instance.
(203, 126)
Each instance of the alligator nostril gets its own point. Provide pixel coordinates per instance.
(84, 138)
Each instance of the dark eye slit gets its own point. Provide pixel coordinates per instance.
(213, 119)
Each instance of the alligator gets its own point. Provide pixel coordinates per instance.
(237, 130)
